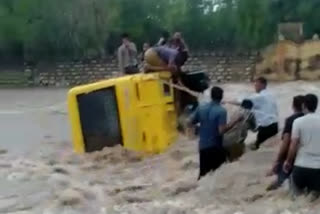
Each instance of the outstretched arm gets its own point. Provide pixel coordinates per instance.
(223, 125)
(194, 118)
(232, 102)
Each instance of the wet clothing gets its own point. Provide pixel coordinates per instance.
(211, 159)
(306, 179)
(166, 54)
(160, 56)
(152, 58)
(264, 133)
(306, 171)
(265, 108)
(282, 175)
(234, 139)
(266, 113)
(211, 152)
(307, 130)
(289, 122)
(210, 116)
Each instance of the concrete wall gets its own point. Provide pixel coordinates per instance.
(287, 60)
(220, 66)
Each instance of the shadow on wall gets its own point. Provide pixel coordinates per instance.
(286, 60)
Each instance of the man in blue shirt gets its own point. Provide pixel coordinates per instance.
(213, 124)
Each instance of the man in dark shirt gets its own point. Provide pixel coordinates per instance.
(213, 124)
(277, 167)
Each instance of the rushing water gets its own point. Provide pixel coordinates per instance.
(40, 174)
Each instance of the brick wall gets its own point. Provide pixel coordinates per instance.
(224, 67)
(220, 66)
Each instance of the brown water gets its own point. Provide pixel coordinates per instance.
(40, 174)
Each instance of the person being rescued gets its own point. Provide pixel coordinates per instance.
(164, 58)
(234, 139)
(167, 55)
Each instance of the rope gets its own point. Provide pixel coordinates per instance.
(181, 88)
(248, 113)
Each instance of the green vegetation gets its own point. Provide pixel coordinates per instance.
(35, 29)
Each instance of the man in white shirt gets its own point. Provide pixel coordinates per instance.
(128, 56)
(265, 111)
(304, 152)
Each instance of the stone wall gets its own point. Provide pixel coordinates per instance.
(282, 61)
(220, 66)
(287, 60)
(77, 72)
(224, 66)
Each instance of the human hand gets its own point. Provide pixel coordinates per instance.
(287, 167)
(271, 172)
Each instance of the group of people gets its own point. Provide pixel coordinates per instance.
(299, 154)
(169, 54)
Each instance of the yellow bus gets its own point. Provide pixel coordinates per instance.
(136, 111)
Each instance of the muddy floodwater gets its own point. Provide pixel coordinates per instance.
(39, 174)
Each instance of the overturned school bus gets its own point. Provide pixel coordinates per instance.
(136, 111)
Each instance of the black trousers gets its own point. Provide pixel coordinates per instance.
(211, 159)
(264, 133)
(306, 179)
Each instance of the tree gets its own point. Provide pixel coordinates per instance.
(37, 29)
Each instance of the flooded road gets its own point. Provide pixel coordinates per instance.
(39, 174)
(30, 117)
